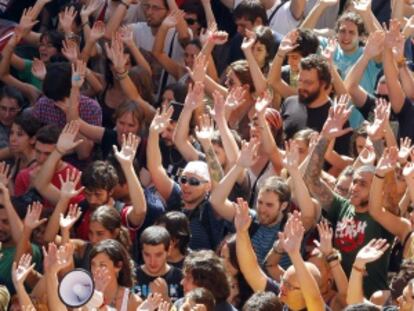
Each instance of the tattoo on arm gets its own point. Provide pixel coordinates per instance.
(312, 176)
(216, 171)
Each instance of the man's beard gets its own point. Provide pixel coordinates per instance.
(307, 100)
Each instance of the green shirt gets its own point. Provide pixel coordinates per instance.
(6, 262)
(354, 230)
(27, 76)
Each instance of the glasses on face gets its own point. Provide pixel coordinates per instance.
(191, 21)
(147, 7)
(287, 285)
(192, 181)
(9, 109)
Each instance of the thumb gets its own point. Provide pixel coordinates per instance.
(77, 143)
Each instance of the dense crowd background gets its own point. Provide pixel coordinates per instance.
(208, 154)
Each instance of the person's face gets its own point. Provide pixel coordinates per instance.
(293, 59)
(38, 234)
(255, 131)
(403, 301)
(342, 185)
(243, 24)
(187, 282)
(303, 149)
(126, 124)
(192, 22)
(46, 49)
(268, 207)
(225, 254)
(121, 192)
(8, 110)
(190, 52)
(290, 293)
(192, 194)
(348, 37)
(43, 151)
(5, 229)
(168, 133)
(98, 233)
(102, 261)
(97, 197)
(155, 11)
(360, 187)
(360, 142)
(19, 140)
(167, 97)
(260, 53)
(221, 155)
(309, 86)
(155, 258)
(232, 80)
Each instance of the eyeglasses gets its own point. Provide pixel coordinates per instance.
(287, 285)
(192, 181)
(8, 109)
(191, 21)
(147, 7)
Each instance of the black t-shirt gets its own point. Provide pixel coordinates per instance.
(405, 119)
(172, 277)
(297, 116)
(172, 160)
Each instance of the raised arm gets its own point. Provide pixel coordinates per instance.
(194, 99)
(373, 47)
(125, 157)
(291, 240)
(86, 11)
(116, 19)
(208, 11)
(219, 196)
(363, 8)
(369, 253)
(313, 17)
(95, 34)
(331, 129)
(16, 225)
(246, 256)
(162, 182)
(181, 25)
(19, 274)
(258, 77)
(337, 82)
(297, 8)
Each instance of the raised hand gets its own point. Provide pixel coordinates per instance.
(151, 303)
(66, 141)
(33, 213)
(126, 155)
(116, 54)
(328, 3)
(126, 35)
(405, 148)
(361, 5)
(235, 98)
(78, 73)
(204, 133)
(171, 20)
(337, 117)
(242, 219)
(291, 237)
(97, 31)
(27, 21)
(219, 107)
(66, 19)
(325, 237)
(248, 153)
(387, 162)
(70, 50)
(68, 186)
(408, 171)
(382, 113)
(288, 43)
(102, 278)
(16, 38)
(219, 37)
(249, 40)
(4, 173)
(74, 213)
(375, 44)
(164, 306)
(206, 34)
(291, 157)
(160, 286)
(329, 51)
(263, 102)
(195, 96)
(161, 119)
(90, 8)
(39, 69)
(367, 155)
(21, 271)
(371, 252)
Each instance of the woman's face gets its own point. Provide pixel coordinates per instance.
(20, 142)
(126, 124)
(260, 53)
(225, 254)
(193, 23)
(9, 108)
(102, 261)
(303, 149)
(190, 52)
(221, 155)
(293, 59)
(98, 233)
(360, 144)
(167, 97)
(46, 49)
(232, 81)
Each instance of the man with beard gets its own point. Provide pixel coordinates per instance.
(353, 225)
(310, 108)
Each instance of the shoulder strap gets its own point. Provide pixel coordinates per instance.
(253, 192)
(165, 74)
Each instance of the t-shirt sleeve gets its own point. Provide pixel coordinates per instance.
(332, 213)
(124, 218)
(90, 111)
(21, 183)
(272, 286)
(368, 106)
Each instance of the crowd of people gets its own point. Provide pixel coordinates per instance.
(208, 154)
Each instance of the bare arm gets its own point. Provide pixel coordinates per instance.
(313, 17)
(16, 225)
(116, 19)
(352, 80)
(208, 11)
(297, 8)
(407, 81)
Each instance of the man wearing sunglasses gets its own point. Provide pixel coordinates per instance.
(190, 194)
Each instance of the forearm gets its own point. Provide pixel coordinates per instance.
(24, 298)
(297, 8)
(397, 10)
(181, 136)
(94, 82)
(395, 90)
(65, 236)
(6, 59)
(355, 292)
(313, 17)
(87, 50)
(37, 8)
(116, 20)
(341, 281)
(370, 21)
(407, 81)
(23, 246)
(52, 228)
(53, 299)
(85, 27)
(275, 78)
(211, 86)
(259, 80)
(5, 154)
(338, 83)
(229, 142)
(210, 18)
(84, 149)
(136, 216)
(16, 228)
(139, 58)
(389, 136)
(269, 144)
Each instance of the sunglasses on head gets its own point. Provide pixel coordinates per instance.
(191, 21)
(192, 181)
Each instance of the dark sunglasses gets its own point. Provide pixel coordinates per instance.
(192, 181)
(383, 96)
(191, 21)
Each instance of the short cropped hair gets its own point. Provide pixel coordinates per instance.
(155, 235)
(250, 10)
(99, 175)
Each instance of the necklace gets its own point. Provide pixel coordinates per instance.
(111, 303)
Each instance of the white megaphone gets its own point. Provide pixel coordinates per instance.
(77, 288)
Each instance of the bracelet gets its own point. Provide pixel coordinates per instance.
(85, 24)
(334, 265)
(124, 3)
(122, 75)
(333, 256)
(362, 270)
(281, 56)
(58, 151)
(275, 250)
(379, 176)
(401, 62)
